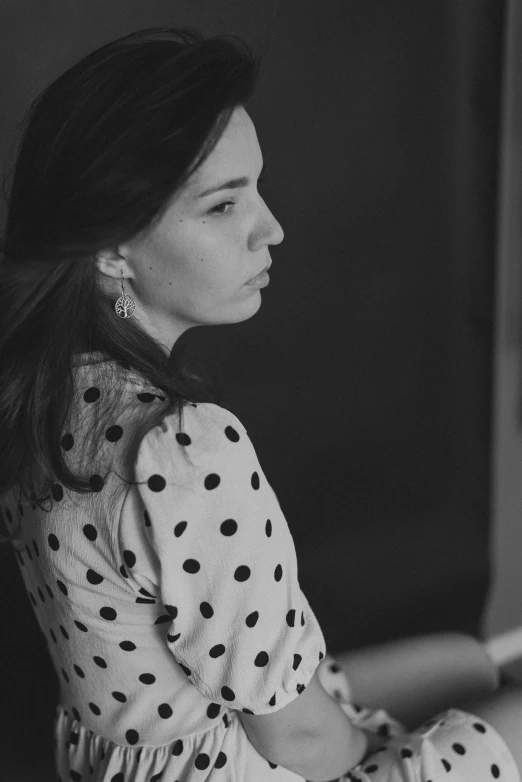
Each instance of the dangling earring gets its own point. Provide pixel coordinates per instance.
(125, 305)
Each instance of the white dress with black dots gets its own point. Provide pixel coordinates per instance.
(170, 605)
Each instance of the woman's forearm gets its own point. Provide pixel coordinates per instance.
(327, 756)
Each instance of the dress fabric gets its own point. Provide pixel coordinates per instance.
(171, 602)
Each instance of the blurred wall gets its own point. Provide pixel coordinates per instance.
(504, 609)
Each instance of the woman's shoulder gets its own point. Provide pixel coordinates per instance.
(202, 430)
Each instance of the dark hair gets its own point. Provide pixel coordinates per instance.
(103, 149)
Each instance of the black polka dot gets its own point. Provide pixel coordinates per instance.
(183, 438)
(261, 659)
(272, 701)
(228, 694)
(300, 688)
(75, 776)
(177, 749)
(49, 592)
(290, 618)
(372, 768)
(29, 553)
(94, 708)
(55, 639)
(165, 711)
(40, 594)
(114, 433)
(129, 558)
(221, 760)
(119, 696)
(76, 714)
(147, 518)
(255, 480)
(297, 660)
(202, 761)
(495, 771)
(172, 638)
(479, 727)
(92, 394)
(96, 482)
(145, 396)
(228, 527)
(172, 611)
(212, 481)
(93, 577)
(123, 572)
(132, 736)
(213, 710)
(156, 777)
(67, 442)
(268, 528)
(156, 483)
(162, 619)
(36, 549)
(57, 492)
(226, 720)
(242, 573)
(180, 528)
(127, 646)
(118, 777)
(251, 619)
(274, 765)
(100, 662)
(80, 626)
(79, 671)
(406, 753)
(191, 566)
(231, 433)
(206, 610)
(64, 632)
(53, 542)
(446, 765)
(459, 749)
(217, 650)
(108, 613)
(62, 587)
(302, 619)
(90, 532)
(185, 670)
(278, 573)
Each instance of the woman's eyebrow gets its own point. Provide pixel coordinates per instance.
(232, 183)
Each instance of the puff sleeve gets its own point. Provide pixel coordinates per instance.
(241, 627)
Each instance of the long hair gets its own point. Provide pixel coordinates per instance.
(103, 149)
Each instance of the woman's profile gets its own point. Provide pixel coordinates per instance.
(155, 553)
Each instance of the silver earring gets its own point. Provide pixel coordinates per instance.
(125, 305)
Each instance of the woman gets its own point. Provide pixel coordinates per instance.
(155, 553)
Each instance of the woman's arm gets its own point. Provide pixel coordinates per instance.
(311, 736)
(414, 678)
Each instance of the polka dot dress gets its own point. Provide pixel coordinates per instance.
(172, 605)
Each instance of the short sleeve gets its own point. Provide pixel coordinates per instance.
(241, 628)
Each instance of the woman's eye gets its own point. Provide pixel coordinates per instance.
(221, 209)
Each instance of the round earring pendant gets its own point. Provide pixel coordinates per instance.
(125, 306)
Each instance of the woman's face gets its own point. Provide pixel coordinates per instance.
(191, 268)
